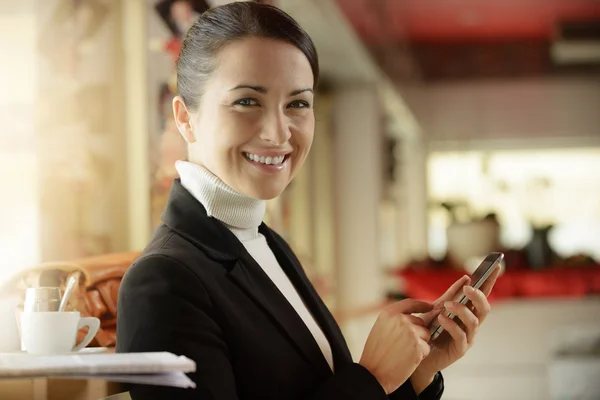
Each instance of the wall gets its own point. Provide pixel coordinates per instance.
(18, 194)
(508, 110)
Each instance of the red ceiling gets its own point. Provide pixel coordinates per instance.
(463, 20)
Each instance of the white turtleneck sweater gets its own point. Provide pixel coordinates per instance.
(243, 215)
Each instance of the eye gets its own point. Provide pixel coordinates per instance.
(299, 104)
(246, 102)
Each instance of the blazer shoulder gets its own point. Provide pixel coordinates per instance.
(156, 268)
(166, 253)
(167, 243)
(156, 275)
(170, 253)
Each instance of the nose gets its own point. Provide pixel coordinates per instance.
(276, 129)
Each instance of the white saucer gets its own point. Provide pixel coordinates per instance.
(82, 352)
(90, 350)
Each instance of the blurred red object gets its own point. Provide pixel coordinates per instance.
(173, 46)
(428, 284)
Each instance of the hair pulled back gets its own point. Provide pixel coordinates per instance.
(218, 27)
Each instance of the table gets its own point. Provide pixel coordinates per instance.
(57, 389)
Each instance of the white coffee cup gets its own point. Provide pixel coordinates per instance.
(52, 332)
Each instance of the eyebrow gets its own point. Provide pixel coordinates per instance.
(262, 89)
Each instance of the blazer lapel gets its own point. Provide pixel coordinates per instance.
(185, 215)
(258, 286)
(293, 269)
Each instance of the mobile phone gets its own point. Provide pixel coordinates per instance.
(478, 277)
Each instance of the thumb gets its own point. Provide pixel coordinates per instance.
(409, 306)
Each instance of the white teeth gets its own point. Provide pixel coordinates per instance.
(265, 160)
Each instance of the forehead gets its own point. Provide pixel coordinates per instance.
(266, 62)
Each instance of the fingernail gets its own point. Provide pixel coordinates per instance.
(469, 289)
(448, 304)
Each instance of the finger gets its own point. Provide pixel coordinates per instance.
(422, 332)
(432, 315)
(466, 316)
(488, 285)
(481, 306)
(454, 289)
(450, 294)
(416, 320)
(409, 306)
(458, 335)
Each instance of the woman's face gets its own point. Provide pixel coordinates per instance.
(254, 125)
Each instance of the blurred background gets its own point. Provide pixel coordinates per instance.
(446, 129)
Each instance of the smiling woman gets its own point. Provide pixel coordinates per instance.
(235, 101)
(249, 112)
(215, 283)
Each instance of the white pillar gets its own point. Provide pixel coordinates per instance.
(412, 200)
(357, 181)
(418, 222)
(323, 200)
(135, 43)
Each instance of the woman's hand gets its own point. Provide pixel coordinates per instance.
(458, 338)
(397, 343)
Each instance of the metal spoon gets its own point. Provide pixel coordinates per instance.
(68, 290)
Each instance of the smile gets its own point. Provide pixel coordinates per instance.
(276, 160)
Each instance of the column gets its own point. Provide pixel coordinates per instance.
(357, 182)
(322, 176)
(135, 43)
(412, 199)
(80, 138)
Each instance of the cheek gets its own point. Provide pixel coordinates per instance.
(303, 137)
(238, 128)
(305, 134)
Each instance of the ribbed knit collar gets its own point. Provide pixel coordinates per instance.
(221, 201)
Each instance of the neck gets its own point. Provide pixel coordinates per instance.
(234, 209)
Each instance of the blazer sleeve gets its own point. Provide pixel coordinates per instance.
(164, 306)
(432, 392)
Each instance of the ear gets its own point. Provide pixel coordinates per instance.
(183, 120)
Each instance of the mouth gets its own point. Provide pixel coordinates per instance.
(269, 161)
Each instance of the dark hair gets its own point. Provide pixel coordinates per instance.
(219, 26)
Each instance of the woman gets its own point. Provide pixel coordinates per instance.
(217, 285)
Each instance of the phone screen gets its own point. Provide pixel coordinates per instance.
(485, 269)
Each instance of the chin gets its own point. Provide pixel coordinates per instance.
(262, 189)
(266, 193)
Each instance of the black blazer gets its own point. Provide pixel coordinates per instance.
(196, 291)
